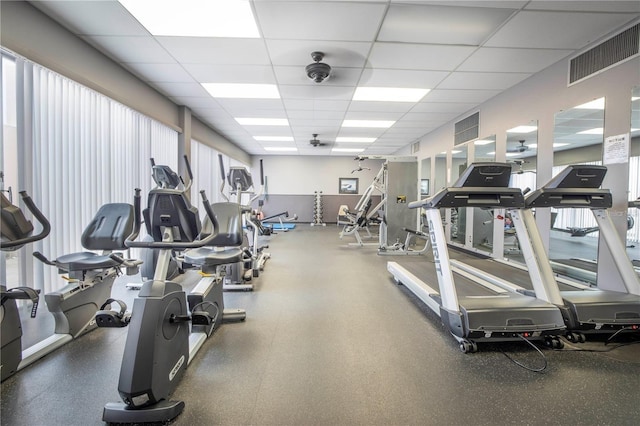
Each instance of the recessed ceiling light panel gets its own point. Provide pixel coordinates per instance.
(274, 138)
(523, 129)
(195, 18)
(354, 139)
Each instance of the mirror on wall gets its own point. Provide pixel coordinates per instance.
(425, 177)
(522, 152)
(633, 215)
(577, 139)
(484, 151)
(440, 175)
(458, 218)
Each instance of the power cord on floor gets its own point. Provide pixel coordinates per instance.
(519, 364)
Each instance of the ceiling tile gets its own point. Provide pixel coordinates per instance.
(512, 60)
(401, 78)
(238, 105)
(310, 115)
(343, 54)
(443, 107)
(418, 56)
(131, 48)
(373, 106)
(172, 73)
(561, 30)
(224, 51)
(486, 80)
(411, 23)
(457, 95)
(369, 115)
(502, 4)
(315, 104)
(586, 6)
(319, 20)
(318, 91)
(210, 73)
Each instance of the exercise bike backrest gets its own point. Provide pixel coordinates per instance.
(174, 211)
(161, 198)
(15, 229)
(229, 218)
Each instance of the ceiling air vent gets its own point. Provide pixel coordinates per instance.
(609, 53)
(415, 147)
(466, 129)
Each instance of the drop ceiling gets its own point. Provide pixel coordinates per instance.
(465, 52)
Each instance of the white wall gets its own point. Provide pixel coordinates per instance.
(295, 175)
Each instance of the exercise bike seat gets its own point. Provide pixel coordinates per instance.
(84, 261)
(213, 256)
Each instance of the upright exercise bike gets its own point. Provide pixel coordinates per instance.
(166, 326)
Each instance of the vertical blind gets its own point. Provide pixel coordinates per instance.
(88, 150)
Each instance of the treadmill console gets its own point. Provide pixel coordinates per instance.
(578, 176)
(484, 185)
(485, 175)
(575, 186)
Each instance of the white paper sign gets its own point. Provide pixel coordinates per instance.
(616, 149)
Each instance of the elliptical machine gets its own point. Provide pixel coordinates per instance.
(240, 181)
(166, 326)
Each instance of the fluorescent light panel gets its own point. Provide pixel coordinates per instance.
(274, 138)
(523, 129)
(382, 124)
(389, 94)
(195, 18)
(245, 91)
(355, 139)
(262, 121)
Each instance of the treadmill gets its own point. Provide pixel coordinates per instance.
(599, 311)
(472, 309)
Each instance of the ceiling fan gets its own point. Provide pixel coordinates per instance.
(315, 141)
(521, 148)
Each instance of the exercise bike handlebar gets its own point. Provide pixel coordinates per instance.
(261, 191)
(131, 243)
(223, 177)
(46, 226)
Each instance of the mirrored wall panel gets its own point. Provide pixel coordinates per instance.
(459, 163)
(578, 139)
(633, 219)
(484, 151)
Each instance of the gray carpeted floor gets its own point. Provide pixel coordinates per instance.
(330, 339)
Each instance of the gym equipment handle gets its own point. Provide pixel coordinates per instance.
(46, 226)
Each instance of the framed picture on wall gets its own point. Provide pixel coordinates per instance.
(424, 187)
(348, 186)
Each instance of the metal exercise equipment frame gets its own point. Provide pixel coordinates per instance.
(396, 182)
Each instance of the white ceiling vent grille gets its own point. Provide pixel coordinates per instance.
(611, 52)
(466, 129)
(415, 147)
